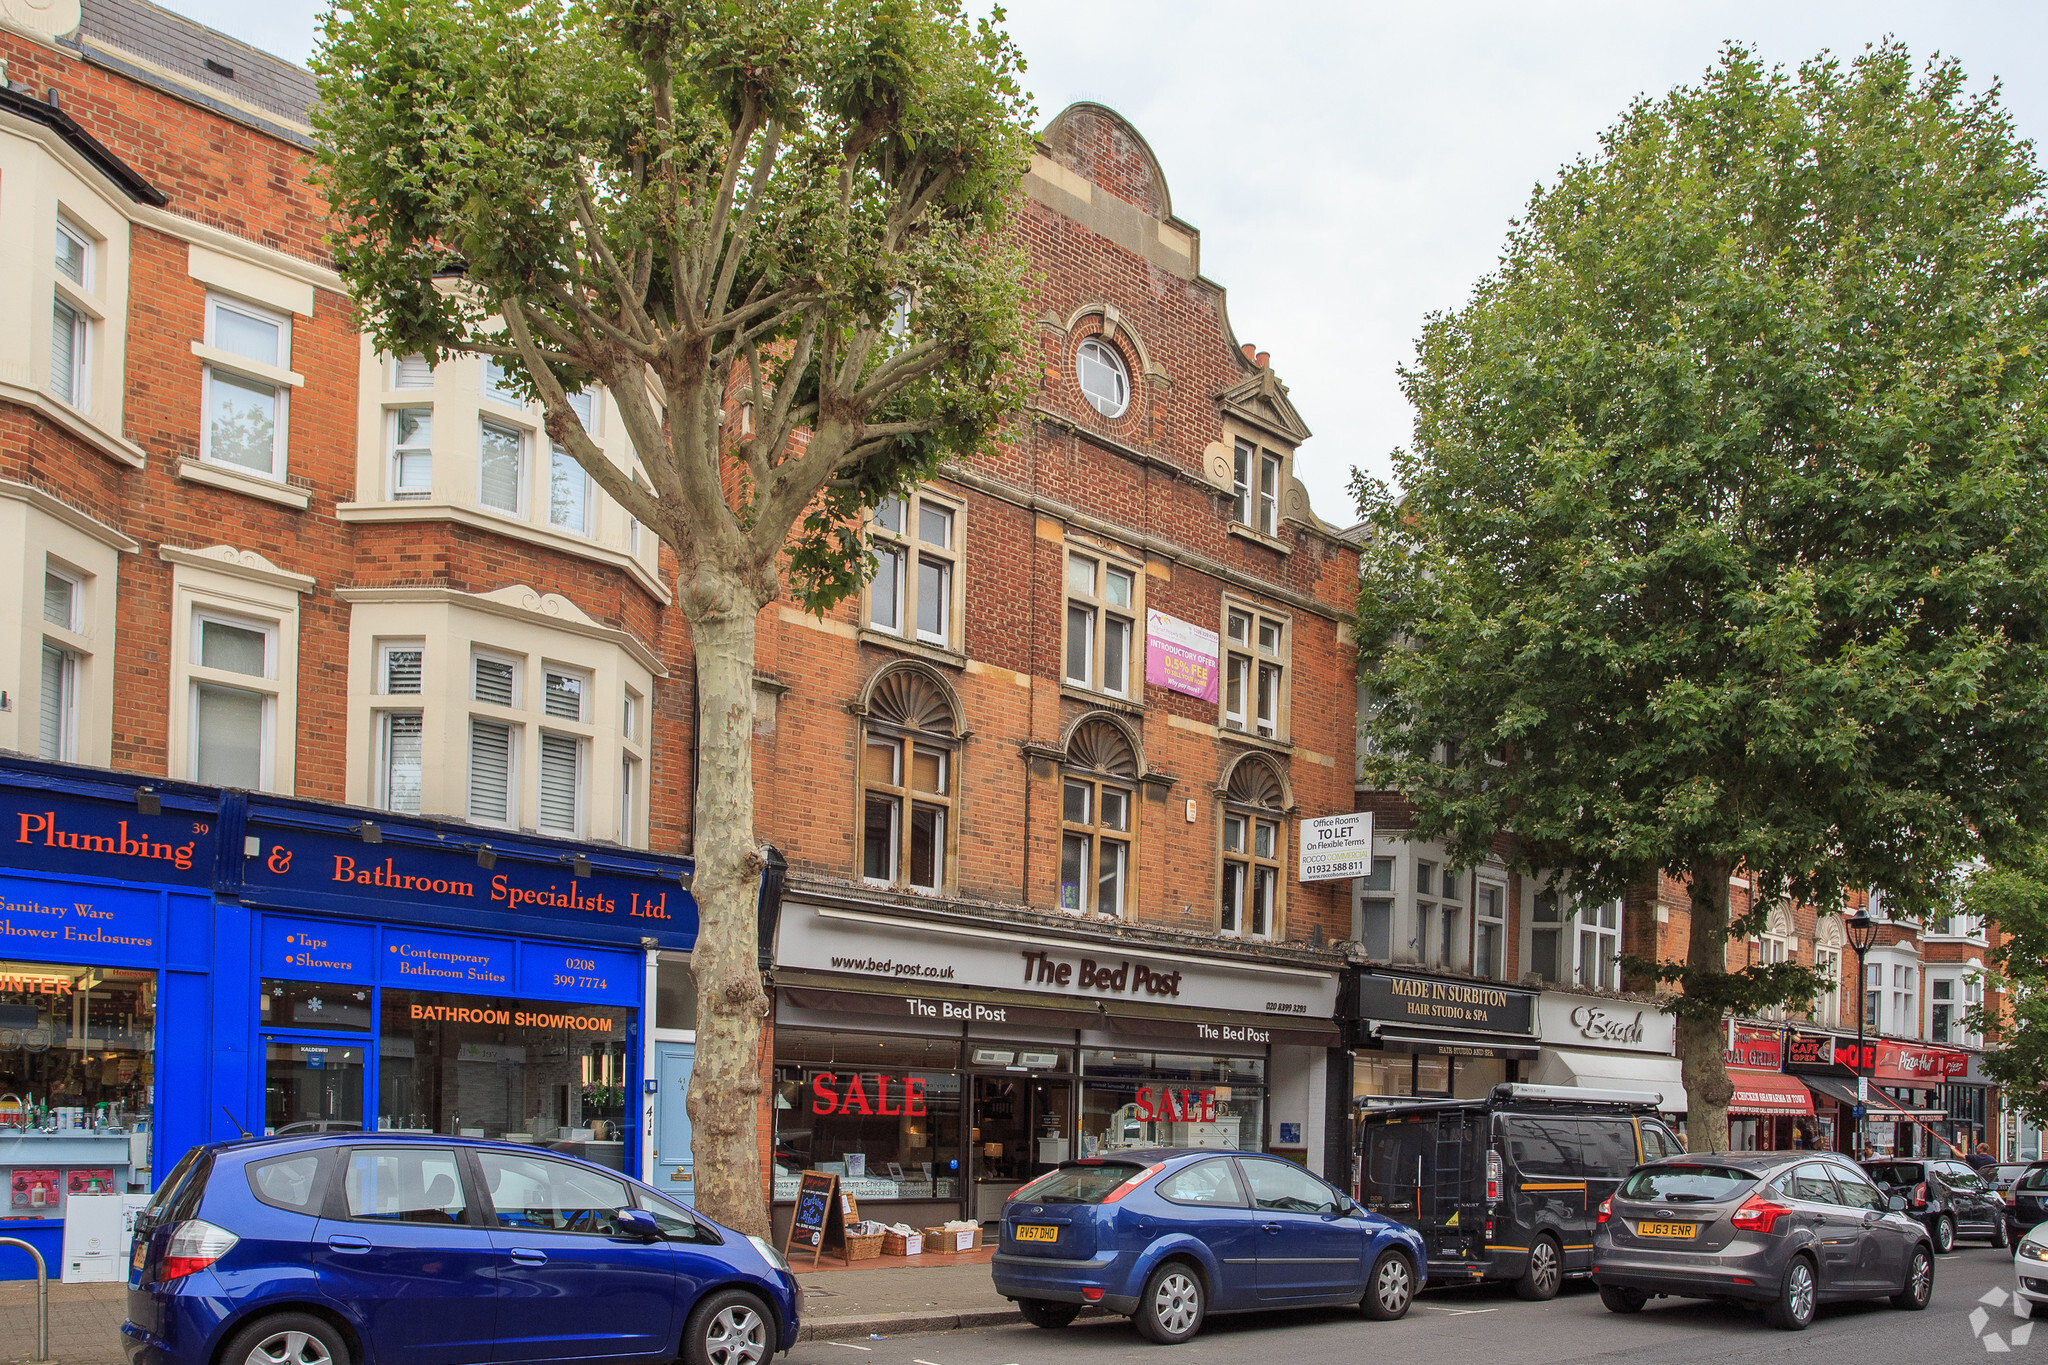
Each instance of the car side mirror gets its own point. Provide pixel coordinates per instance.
(639, 1225)
(1897, 1203)
(1357, 1209)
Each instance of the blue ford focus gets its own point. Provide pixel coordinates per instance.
(359, 1249)
(1169, 1236)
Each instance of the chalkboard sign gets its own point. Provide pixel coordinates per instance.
(816, 1215)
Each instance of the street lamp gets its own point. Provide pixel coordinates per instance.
(1862, 934)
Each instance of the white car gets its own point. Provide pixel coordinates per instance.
(2030, 1268)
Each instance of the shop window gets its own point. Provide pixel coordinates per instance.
(412, 453)
(915, 591)
(1098, 815)
(233, 701)
(1102, 615)
(1376, 910)
(1257, 654)
(568, 493)
(1133, 1098)
(882, 1113)
(907, 782)
(1254, 829)
(77, 1060)
(540, 1074)
(324, 1005)
(1490, 931)
(245, 393)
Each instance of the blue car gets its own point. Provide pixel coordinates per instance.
(1168, 1236)
(360, 1249)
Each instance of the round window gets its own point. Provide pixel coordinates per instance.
(1105, 383)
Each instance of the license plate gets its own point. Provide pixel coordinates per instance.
(1666, 1229)
(1027, 1232)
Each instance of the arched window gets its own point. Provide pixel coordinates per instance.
(1254, 850)
(1098, 819)
(909, 748)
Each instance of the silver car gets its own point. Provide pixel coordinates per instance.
(1788, 1230)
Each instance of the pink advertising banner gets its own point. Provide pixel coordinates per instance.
(1180, 656)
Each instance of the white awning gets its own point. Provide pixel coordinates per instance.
(1614, 1071)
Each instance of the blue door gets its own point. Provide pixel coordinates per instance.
(674, 1172)
(1310, 1245)
(570, 1286)
(412, 1258)
(1203, 1200)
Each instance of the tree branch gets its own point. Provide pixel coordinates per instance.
(736, 248)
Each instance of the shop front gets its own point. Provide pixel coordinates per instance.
(1413, 1035)
(105, 932)
(1604, 1043)
(1769, 1110)
(1886, 1101)
(936, 1064)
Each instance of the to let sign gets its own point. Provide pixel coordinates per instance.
(1336, 846)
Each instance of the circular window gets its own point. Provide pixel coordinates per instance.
(1105, 383)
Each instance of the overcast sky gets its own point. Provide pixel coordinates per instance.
(1353, 166)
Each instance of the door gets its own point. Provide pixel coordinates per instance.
(1837, 1226)
(1607, 1153)
(675, 1170)
(404, 1246)
(1310, 1246)
(570, 1287)
(1208, 1205)
(313, 1085)
(1971, 1197)
(1002, 1147)
(1880, 1239)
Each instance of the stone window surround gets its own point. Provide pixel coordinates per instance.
(236, 585)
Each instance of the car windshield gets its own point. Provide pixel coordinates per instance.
(2036, 1178)
(1089, 1184)
(1896, 1172)
(1687, 1184)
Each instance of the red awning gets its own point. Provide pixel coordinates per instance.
(1768, 1092)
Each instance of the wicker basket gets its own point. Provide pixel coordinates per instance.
(943, 1240)
(864, 1246)
(896, 1244)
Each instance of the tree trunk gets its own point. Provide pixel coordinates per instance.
(1702, 1042)
(725, 1086)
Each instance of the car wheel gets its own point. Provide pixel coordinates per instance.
(1544, 1273)
(1919, 1286)
(287, 1339)
(2001, 1235)
(1792, 1310)
(1944, 1234)
(729, 1328)
(1171, 1308)
(1390, 1289)
(1621, 1299)
(1046, 1313)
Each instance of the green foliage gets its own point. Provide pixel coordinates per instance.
(2013, 894)
(1724, 527)
(727, 197)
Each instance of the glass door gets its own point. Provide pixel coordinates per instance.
(313, 1085)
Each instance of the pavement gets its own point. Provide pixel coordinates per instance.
(891, 1297)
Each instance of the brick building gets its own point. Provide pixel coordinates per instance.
(1041, 786)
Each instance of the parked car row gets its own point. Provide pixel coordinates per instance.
(1529, 1185)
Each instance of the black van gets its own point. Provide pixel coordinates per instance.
(1505, 1187)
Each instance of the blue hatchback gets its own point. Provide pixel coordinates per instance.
(360, 1249)
(1169, 1236)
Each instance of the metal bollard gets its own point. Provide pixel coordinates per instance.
(42, 1296)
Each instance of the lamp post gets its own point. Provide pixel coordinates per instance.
(1862, 934)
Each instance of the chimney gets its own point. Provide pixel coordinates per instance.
(1248, 350)
(1261, 359)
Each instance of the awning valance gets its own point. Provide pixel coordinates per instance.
(1614, 1071)
(1879, 1106)
(1768, 1092)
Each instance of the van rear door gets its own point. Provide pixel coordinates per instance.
(1427, 1171)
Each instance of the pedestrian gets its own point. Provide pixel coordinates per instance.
(1982, 1157)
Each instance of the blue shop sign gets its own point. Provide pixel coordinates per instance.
(100, 926)
(449, 876)
(48, 830)
(318, 950)
(429, 961)
(586, 973)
